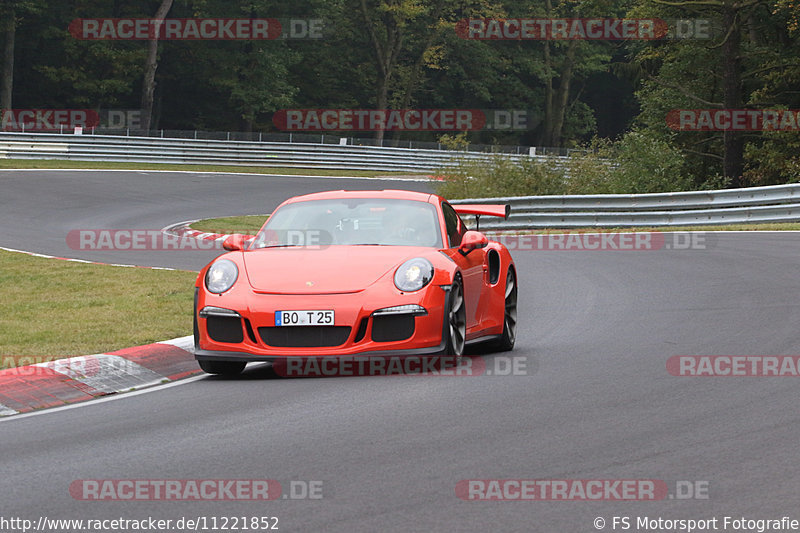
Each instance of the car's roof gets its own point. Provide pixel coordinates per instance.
(391, 194)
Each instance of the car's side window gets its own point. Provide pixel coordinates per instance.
(454, 226)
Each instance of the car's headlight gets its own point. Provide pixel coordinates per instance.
(221, 276)
(413, 274)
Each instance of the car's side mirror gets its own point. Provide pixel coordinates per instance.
(471, 241)
(235, 242)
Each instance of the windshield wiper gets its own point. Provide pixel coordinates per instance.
(278, 246)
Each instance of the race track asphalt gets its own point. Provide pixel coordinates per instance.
(595, 402)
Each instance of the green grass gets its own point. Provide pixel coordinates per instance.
(62, 309)
(247, 224)
(56, 164)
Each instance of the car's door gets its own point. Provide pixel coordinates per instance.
(472, 266)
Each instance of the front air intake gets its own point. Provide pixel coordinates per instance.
(304, 336)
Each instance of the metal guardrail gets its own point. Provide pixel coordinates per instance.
(776, 203)
(240, 153)
(779, 203)
(303, 137)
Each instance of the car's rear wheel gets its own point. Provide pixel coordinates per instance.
(506, 341)
(223, 368)
(456, 322)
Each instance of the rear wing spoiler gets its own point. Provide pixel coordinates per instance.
(490, 210)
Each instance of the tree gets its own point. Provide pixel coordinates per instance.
(404, 36)
(7, 83)
(10, 13)
(151, 65)
(731, 71)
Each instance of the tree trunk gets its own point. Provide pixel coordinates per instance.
(7, 82)
(150, 67)
(385, 59)
(733, 156)
(562, 95)
(413, 78)
(547, 127)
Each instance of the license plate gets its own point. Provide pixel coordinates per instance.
(304, 318)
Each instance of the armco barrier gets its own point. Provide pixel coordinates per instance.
(206, 152)
(777, 203)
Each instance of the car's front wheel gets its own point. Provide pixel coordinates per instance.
(456, 322)
(223, 368)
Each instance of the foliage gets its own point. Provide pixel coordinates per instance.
(500, 175)
(402, 54)
(635, 164)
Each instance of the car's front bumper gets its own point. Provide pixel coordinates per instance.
(254, 325)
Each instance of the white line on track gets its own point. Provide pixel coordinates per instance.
(73, 260)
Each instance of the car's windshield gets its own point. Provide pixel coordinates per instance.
(352, 221)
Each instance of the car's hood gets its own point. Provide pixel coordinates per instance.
(333, 269)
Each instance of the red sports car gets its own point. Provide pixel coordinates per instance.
(353, 273)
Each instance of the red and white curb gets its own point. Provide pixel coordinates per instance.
(183, 230)
(76, 379)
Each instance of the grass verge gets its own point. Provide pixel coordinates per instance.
(62, 309)
(234, 169)
(248, 224)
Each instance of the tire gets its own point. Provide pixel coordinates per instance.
(455, 324)
(223, 368)
(506, 341)
(196, 332)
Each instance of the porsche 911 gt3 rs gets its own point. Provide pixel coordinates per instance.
(355, 273)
